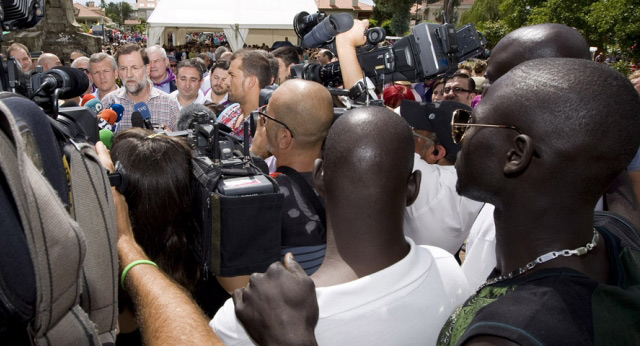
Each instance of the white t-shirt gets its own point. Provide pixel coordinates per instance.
(201, 99)
(208, 97)
(480, 255)
(439, 216)
(206, 83)
(404, 304)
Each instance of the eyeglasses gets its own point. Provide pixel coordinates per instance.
(461, 121)
(264, 116)
(415, 134)
(455, 90)
(134, 69)
(85, 70)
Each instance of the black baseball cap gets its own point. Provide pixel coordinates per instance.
(433, 117)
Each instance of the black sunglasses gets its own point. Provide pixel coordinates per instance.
(455, 90)
(461, 121)
(260, 112)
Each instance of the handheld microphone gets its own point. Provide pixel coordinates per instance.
(119, 110)
(109, 116)
(95, 105)
(106, 137)
(327, 29)
(136, 120)
(86, 99)
(143, 109)
(72, 82)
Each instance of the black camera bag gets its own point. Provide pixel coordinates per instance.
(240, 235)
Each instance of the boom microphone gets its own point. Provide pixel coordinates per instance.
(72, 82)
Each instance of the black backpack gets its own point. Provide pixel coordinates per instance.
(58, 266)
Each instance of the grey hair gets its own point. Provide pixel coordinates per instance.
(99, 57)
(157, 48)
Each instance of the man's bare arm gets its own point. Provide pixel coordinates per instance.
(346, 44)
(165, 312)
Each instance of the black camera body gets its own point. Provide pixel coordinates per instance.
(45, 89)
(430, 50)
(236, 206)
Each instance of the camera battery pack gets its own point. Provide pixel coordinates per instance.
(244, 186)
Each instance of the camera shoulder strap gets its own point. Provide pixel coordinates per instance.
(307, 191)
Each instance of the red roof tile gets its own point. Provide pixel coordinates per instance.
(343, 5)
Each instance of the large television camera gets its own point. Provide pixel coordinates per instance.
(236, 206)
(430, 50)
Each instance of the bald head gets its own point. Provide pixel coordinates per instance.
(306, 107)
(582, 132)
(369, 150)
(48, 61)
(535, 42)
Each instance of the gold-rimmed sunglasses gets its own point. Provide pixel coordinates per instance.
(461, 121)
(261, 112)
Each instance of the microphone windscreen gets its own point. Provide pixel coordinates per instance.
(106, 137)
(95, 105)
(185, 119)
(136, 120)
(86, 99)
(118, 109)
(109, 116)
(78, 82)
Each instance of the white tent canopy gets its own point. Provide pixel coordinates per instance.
(234, 17)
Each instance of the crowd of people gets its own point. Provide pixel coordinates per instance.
(462, 213)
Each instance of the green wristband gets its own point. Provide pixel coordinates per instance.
(131, 265)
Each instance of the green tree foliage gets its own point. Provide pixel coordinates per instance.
(482, 11)
(119, 11)
(386, 25)
(617, 23)
(493, 31)
(613, 23)
(398, 11)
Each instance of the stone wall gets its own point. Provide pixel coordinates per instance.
(57, 33)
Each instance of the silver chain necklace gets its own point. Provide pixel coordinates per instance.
(545, 258)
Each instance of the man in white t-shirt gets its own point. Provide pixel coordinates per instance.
(375, 286)
(439, 216)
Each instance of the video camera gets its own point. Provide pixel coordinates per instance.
(227, 186)
(430, 50)
(46, 88)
